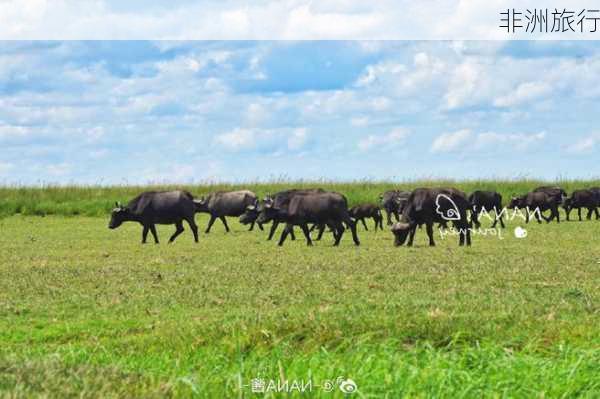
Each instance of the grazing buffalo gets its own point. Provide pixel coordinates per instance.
(363, 211)
(150, 208)
(583, 199)
(280, 200)
(554, 191)
(226, 203)
(321, 208)
(486, 201)
(393, 202)
(537, 202)
(433, 205)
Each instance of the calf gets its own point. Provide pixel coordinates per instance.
(363, 211)
(433, 205)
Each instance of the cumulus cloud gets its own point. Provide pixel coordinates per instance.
(267, 140)
(467, 141)
(448, 142)
(585, 145)
(524, 92)
(384, 141)
(99, 105)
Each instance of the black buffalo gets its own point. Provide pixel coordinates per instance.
(583, 199)
(433, 205)
(226, 203)
(152, 207)
(280, 200)
(363, 211)
(486, 201)
(537, 202)
(393, 203)
(554, 191)
(322, 208)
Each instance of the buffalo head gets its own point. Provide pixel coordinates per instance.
(118, 215)
(400, 231)
(250, 214)
(266, 211)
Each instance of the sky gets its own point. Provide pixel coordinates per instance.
(124, 112)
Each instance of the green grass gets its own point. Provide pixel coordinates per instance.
(98, 200)
(89, 312)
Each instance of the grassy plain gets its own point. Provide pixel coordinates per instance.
(89, 312)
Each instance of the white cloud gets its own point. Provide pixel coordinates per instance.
(448, 142)
(466, 141)
(467, 82)
(237, 139)
(524, 92)
(515, 141)
(297, 139)
(385, 141)
(361, 121)
(585, 145)
(269, 140)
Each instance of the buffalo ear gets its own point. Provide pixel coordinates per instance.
(117, 204)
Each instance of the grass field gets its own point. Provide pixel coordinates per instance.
(89, 312)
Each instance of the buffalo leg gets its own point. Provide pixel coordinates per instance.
(321, 230)
(568, 212)
(210, 223)
(178, 230)
(154, 234)
(388, 215)
(292, 235)
(251, 226)
(579, 213)
(411, 235)
(304, 228)
(353, 231)
(379, 221)
(193, 227)
(429, 229)
(260, 226)
(364, 224)
(498, 218)
(339, 227)
(475, 218)
(272, 231)
(224, 223)
(284, 233)
(145, 234)
(589, 214)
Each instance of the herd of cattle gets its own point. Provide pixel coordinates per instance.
(326, 209)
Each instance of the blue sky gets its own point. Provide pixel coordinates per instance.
(141, 111)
